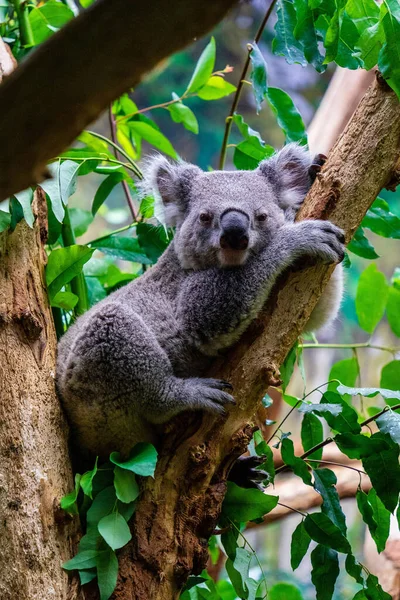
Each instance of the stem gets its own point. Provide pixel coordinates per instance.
(295, 406)
(78, 284)
(110, 160)
(293, 509)
(25, 30)
(136, 169)
(365, 423)
(58, 322)
(331, 462)
(120, 230)
(353, 346)
(125, 185)
(161, 105)
(228, 122)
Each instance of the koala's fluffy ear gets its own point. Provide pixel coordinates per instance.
(170, 185)
(289, 173)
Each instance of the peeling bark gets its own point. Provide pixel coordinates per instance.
(179, 508)
(35, 469)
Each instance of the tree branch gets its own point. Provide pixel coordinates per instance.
(91, 61)
(179, 509)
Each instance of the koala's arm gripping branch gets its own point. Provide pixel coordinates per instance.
(179, 509)
(91, 61)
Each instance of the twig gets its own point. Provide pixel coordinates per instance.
(242, 81)
(125, 186)
(353, 346)
(25, 29)
(293, 509)
(331, 462)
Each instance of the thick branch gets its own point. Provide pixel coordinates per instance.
(179, 509)
(90, 62)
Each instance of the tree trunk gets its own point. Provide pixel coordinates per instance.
(35, 469)
(179, 509)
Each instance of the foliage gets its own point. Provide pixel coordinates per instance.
(354, 34)
(105, 498)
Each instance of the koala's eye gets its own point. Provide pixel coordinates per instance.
(205, 218)
(261, 217)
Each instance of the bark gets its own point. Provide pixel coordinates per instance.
(35, 470)
(89, 62)
(179, 509)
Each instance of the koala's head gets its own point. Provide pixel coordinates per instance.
(222, 217)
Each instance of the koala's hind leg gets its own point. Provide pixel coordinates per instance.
(328, 305)
(115, 374)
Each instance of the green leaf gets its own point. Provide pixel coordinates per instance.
(215, 88)
(369, 392)
(299, 546)
(374, 590)
(16, 212)
(389, 56)
(152, 239)
(354, 569)
(142, 460)
(5, 220)
(375, 516)
(96, 291)
(325, 571)
(312, 433)
(105, 190)
(249, 153)
(47, 19)
(68, 502)
(371, 297)
(287, 115)
(203, 69)
(61, 186)
(146, 208)
(306, 34)
(83, 560)
(361, 246)
(153, 137)
(390, 378)
(125, 248)
(25, 200)
(85, 576)
(287, 367)
(63, 265)
(347, 420)
(258, 75)
(383, 469)
(107, 573)
(389, 422)
(346, 371)
(102, 505)
(358, 446)
(285, 44)
(238, 571)
(115, 531)
(393, 310)
(66, 300)
(284, 591)
(298, 466)
(242, 505)
(379, 219)
(126, 487)
(323, 531)
(87, 480)
(180, 113)
(333, 409)
(324, 483)
(80, 220)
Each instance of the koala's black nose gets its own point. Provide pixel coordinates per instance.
(235, 230)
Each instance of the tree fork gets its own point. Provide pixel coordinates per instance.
(179, 509)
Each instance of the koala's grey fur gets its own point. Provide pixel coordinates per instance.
(136, 359)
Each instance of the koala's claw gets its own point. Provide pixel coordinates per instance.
(209, 394)
(323, 239)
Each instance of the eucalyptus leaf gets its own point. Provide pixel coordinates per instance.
(299, 546)
(322, 530)
(242, 505)
(203, 69)
(126, 486)
(5, 220)
(297, 464)
(115, 531)
(361, 246)
(215, 88)
(63, 265)
(324, 483)
(142, 460)
(107, 573)
(371, 297)
(105, 190)
(325, 571)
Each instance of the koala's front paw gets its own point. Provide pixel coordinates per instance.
(322, 239)
(209, 394)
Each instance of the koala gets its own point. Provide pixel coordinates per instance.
(139, 357)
